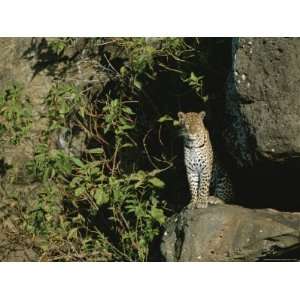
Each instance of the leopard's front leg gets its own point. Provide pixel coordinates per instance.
(203, 187)
(193, 179)
(199, 189)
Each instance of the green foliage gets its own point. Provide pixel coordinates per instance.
(49, 164)
(132, 200)
(43, 218)
(59, 45)
(117, 117)
(64, 237)
(16, 114)
(63, 101)
(96, 182)
(107, 202)
(196, 83)
(149, 56)
(141, 55)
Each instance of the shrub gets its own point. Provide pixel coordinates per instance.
(16, 114)
(107, 201)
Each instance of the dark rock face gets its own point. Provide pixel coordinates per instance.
(262, 134)
(230, 233)
(263, 100)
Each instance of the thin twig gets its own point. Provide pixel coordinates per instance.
(111, 64)
(146, 150)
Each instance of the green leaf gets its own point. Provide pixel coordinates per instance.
(75, 181)
(157, 214)
(95, 151)
(138, 184)
(137, 84)
(205, 98)
(165, 118)
(123, 71)
(128, 110)
(175, 123)
(140, 175)
(126, 145)
(157, 182)
(82, 111)
(125, 127)
(101, 197)
(79, 191)
(73, 233)
(64, 108)
(193, 77)
(77, 162)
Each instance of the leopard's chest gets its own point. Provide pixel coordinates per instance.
(196, 158)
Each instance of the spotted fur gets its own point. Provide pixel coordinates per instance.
(205, 175)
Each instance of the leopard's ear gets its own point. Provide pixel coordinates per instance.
(181, 117)
(202, 114)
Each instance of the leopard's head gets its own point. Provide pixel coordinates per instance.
(193, 128)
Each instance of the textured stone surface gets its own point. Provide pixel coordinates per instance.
(16, 69)
(263, 100)
(230, 233)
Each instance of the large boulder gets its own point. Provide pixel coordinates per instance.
(231, 233)
(263, 100)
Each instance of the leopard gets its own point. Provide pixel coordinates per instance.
(209, 182)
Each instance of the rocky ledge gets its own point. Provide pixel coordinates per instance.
(231, 233)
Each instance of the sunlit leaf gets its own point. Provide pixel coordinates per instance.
(79, 191)
(156, 182)
(158, 214)
(101, 197)
(77, 162)
(128, 110)
(95, 151)
(137, 84)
